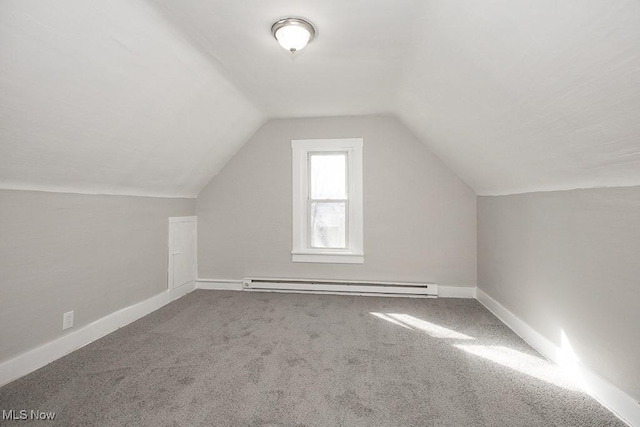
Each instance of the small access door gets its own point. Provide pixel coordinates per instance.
(182, 252)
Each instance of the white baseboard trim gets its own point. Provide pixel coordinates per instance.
(617, 401)
(456, 292)
(182, 290)
(32, 360)
(526, 332)
(225, 285)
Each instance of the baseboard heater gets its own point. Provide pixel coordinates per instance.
(418, 290)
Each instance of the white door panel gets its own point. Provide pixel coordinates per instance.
(182, 251)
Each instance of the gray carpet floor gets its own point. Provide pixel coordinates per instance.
(226, 358)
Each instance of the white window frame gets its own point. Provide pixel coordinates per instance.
(302, 250)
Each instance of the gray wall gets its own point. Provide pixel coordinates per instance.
(570, 261)
(88, 253)
(419, 218)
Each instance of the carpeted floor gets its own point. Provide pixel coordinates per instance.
(226, 358)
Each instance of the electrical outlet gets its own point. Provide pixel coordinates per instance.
(67, 320)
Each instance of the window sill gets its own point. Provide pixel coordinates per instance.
(328, 257)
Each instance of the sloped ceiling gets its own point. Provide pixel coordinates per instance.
(107, 97)
(520, 96)
(154, 97)
(351, 68)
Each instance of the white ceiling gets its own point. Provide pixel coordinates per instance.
(350, 68)
(107, 97)
(520, 96)
(135, 97)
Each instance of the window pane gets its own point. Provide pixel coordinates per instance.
(328, 176)
(328, 225)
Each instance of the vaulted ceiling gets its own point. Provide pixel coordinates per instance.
(108, 97)
(152, 97)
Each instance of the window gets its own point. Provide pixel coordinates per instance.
(327, 200)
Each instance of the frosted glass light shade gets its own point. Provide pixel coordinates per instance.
(293, 34)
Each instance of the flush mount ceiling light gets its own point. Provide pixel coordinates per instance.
(293, 34)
